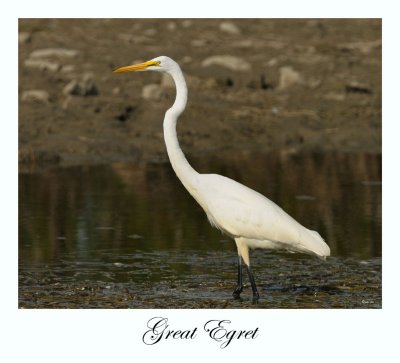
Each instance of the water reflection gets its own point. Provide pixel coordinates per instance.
(121, 206)
(90, 214)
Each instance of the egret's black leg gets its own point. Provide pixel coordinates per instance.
(253, 283)
(239, 286)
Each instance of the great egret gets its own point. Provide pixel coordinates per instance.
(251, 219)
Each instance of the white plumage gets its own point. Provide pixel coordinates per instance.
(240, 212)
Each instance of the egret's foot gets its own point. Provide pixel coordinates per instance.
(256, 296)
(237, 292)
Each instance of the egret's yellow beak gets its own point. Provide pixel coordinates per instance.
(137, 67)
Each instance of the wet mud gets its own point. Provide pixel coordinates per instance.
(193, 279)
(254, 84)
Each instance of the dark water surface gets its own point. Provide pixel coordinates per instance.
(121, 236)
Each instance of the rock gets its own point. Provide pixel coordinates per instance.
(125, 37)
(187, 23)
(356, 87)
(314, 82)
(229, 27)
(288, 77)
(67, 68)
(227, 61)
(42, 65)
(72, 88)
(88, 85)
(84, 87)
(116, 91)
(272, 62)
(363, 47)
(153, 92)
(66, 102)
(210, 83)
(24, 37)
(150, 32)
(171, 26)
(332, 96)
(186, 59)
(245, 43)
(275, 44)
(54, 52)
(275, 110)
(198, 43)
(36, 95)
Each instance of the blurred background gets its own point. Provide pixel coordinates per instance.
(291, 108)
(253, 84)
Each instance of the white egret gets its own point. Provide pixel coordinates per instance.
(251, 219)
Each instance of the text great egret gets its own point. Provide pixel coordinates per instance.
(251, 219)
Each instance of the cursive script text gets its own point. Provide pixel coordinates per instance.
(218, 331)
(158, 329)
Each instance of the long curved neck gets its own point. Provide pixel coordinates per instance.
(181, 166)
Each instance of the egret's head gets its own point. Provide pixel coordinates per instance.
(159, 64)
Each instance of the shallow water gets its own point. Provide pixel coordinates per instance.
(123, 236)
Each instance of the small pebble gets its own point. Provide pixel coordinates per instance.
(272, 62)
(357, 87)
(24, 37)
(228, 61)
(83, 87)
(150, 32)
(72, 88)
(171, 26)
(153, 92)
(67, 68)
(288, 77)
(198, 43)
(36, 95)
(116, 91)
(42, 65)
(54, 52)
(333, 96)
(229, 27)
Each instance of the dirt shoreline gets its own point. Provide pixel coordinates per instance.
(254, 85)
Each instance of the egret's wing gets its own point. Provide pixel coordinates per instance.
(240, 211)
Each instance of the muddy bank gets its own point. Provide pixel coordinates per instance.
(289, 85)
(209, 282)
